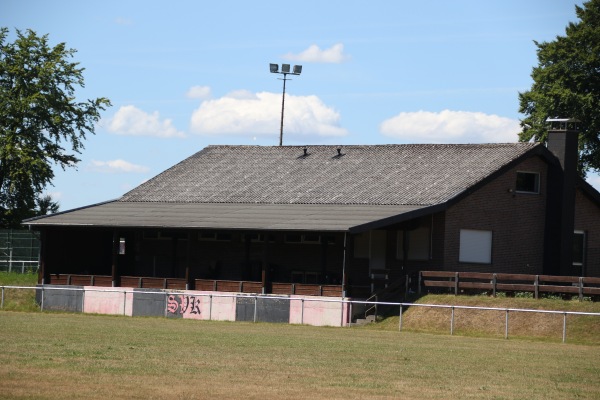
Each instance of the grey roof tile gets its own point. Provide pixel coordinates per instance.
(416, 174)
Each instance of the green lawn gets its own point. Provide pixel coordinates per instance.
(57, 356)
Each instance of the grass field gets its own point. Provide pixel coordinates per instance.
(57, 356)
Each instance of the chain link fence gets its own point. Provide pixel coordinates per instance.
(19, 251)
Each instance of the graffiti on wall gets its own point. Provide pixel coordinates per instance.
(183, 304)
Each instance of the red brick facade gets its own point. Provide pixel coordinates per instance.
(516, 220)
(587, 219)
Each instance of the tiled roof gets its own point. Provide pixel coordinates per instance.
(424, 174)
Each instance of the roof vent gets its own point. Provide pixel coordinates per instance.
(305, 153)
(339, 153)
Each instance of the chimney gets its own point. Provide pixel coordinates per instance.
(563, 143)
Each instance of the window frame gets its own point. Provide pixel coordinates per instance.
(537, 182)
(583, 247)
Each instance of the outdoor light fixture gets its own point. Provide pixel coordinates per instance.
(285, 70)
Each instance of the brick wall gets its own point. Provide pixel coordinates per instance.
(516, 220)
(587, 218)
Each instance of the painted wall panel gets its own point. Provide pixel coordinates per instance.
(268, 309)
(199, 305)
(104, 301)
(317, 313)
(149, 303)
(61, 298)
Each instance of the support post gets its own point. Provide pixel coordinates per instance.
(400, 319)
(564, 336)
(456, 284)
(344, 267)
(255, 307)
(42, 273)
(188, 256)
(265, 266)
(506, 325)
(115, 252)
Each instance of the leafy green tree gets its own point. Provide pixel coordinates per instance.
(45, 205)
(41, 123)
(566, 84)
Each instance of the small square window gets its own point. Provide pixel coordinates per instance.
(528, 182)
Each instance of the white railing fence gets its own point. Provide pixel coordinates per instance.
(41, 290)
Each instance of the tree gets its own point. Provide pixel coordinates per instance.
(566, 84)
(45, 205)
(41, 123)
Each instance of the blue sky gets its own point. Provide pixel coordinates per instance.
(186, 74)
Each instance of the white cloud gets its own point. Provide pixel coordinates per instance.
(130, 120)
(243, 113)
(334, 55)
(451, 127)
(199, 92)
(117, 166)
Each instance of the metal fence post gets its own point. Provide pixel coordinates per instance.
(2, 301)
(255, 301)
(42, 302)
(125, 302)
(210, 296)
(302, 312)
(506, 325)
(564, 338)
(400, 322)
(452, 322)
(350, 313)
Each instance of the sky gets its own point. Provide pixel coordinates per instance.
(183, 75)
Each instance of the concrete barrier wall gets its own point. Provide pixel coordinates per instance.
(317, 313)
(61, 298)
(105, 302)
(263, 309)
(149, 303)
(200, 305)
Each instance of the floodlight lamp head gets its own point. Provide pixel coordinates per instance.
(297, 69)
(285, 68)
(274, 68)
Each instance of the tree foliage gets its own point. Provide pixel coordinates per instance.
(42, 125)
(567, 85)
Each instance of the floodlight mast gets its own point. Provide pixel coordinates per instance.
(285, 71)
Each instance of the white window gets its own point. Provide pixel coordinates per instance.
(475, 246)
(419, 244)
(528, 182)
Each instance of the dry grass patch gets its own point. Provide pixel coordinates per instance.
(580, 329)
